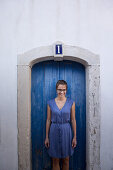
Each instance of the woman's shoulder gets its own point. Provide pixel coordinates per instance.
(70, 100)
(50, 101)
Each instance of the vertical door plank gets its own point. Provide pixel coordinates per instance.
(37, 116)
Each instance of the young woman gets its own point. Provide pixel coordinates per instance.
(59, 140)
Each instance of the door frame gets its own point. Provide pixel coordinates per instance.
(91, 62)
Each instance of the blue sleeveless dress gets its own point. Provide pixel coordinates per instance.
(60, 133)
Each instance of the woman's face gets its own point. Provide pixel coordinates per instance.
(61, 90)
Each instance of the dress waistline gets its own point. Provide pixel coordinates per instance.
(62, 122)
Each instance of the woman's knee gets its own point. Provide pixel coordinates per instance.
(55, 160)
(65, 160)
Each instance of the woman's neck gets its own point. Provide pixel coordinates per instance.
(61, 98)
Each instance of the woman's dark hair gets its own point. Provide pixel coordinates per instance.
(63, 82)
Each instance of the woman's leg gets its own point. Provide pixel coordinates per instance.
(65, 163)
(56, 165)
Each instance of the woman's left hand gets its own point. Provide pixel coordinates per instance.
(74, 143)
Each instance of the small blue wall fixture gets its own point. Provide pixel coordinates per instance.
(58, 49)
(43, 87)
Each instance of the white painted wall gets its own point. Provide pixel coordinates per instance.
(31, 23)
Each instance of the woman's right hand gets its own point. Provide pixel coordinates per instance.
(47, 142)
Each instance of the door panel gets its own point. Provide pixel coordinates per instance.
(43, 87)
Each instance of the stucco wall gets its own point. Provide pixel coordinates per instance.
(25, 25)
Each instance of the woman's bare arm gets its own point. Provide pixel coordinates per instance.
(73, 121)
(48, 121)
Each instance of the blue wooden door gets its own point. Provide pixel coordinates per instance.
(43, 80)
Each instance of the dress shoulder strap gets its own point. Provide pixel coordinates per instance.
(49, 102)
(71, 101)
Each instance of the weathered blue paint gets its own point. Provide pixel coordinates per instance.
(44, 78)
